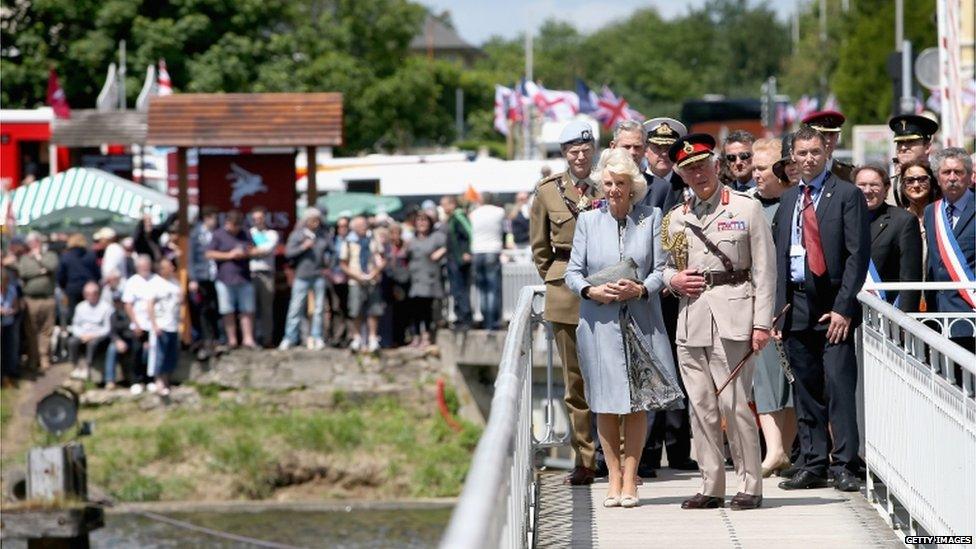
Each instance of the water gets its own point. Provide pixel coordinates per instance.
(357, 529)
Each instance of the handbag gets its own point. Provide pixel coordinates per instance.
(625, 268)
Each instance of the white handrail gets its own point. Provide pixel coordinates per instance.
(493, 508)
(921, 286)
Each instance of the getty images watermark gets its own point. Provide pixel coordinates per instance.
(938, 540)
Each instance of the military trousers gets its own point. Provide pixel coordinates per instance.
(581, 436)
(704, 369)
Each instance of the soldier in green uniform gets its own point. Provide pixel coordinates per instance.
(559, 199)
(829, 123)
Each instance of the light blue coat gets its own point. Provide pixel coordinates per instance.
(599, 338)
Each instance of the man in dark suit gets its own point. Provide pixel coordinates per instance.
(822, 253)
(829, 123)
(665, 187)
(951, 258)
(896, 240)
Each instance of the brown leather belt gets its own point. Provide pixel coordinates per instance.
(726, 278)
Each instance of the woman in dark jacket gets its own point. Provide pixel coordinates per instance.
(78, 267)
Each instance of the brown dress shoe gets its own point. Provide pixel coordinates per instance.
(580, 476)
(699, 501)
(743, 501)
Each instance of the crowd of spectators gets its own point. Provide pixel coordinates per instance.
(362, 283)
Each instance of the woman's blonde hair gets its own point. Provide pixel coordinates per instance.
(619, 162)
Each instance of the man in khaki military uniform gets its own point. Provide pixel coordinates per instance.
(726, 277)
(558, 201)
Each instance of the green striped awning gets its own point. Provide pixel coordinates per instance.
(85, 188)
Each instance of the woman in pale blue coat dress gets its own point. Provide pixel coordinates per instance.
(604, 236)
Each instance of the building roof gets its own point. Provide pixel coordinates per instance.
(437, 36)
(246, 120)
(91, 128)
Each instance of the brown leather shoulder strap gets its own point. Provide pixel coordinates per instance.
(726, 261)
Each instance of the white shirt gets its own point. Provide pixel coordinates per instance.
(169, 297)
(138, 291)
(114, 260)
(92, 320)
(267, 242)
(487, 229)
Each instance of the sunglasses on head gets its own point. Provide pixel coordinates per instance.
(740, 156)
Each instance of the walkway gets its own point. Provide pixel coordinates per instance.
(575, 517)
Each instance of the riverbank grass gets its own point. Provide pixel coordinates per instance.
(242, 449)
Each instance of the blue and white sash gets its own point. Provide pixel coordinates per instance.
(951, 255)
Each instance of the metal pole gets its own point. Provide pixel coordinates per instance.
(459, 112)
(122, 75)
(823, 20)
(529, 145)
(899, 24)
(907, 100)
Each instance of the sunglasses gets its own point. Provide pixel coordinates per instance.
(920, 181)
(741, 156)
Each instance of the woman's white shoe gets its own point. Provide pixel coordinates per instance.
(611, 501)
(629, 501)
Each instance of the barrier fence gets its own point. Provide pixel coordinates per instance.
(920, 420)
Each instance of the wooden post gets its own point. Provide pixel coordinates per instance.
(183, 198)
(312, 168)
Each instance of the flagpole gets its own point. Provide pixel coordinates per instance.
(527, 123)
(122, 75)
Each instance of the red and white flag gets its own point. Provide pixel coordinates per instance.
(165, 85)
(56, 98)
(503, 96)
(553, 104)
(611, 110)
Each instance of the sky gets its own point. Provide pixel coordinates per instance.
(478, 20)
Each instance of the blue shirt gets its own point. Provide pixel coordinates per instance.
(798, 261)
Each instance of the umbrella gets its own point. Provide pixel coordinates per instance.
(339, 204)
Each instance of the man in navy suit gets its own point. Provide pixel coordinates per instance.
(954, 169)
(823, 248)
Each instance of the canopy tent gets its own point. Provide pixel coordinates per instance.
(83, 197)
(340, 204)
(485, 174)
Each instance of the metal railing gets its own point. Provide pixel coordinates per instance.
(496, 506)
(920, 421)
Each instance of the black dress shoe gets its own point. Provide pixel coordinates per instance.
(802, 481)
(698, 501)
(743, 501)
(686, 465)
(845, 481)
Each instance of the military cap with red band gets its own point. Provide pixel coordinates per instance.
(825, 121)
(691, 148)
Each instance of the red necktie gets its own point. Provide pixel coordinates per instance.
(811, 236)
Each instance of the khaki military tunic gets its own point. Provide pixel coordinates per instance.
(741, 231)
(715, 331)
(551, 228)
